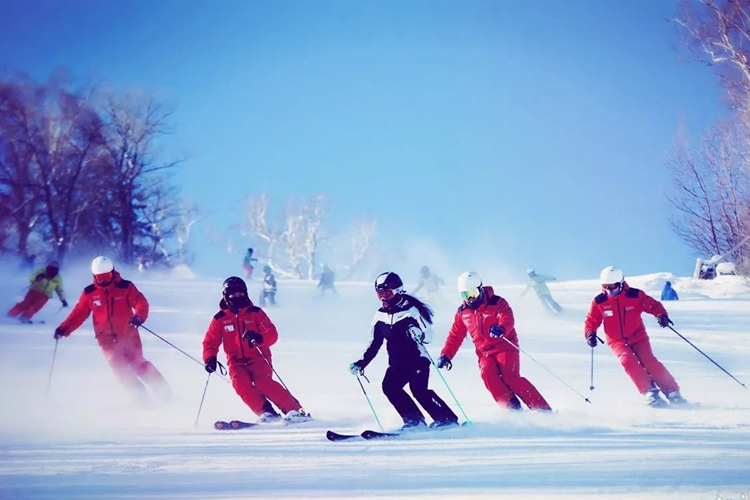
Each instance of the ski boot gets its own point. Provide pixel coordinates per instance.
(653, 399)
(267, 417)
(443, 424)
(675, 398)
(413, 425)
(297, 417)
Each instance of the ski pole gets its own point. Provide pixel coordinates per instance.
(180, 350)
(372, 408)
(49, 379)
(200, 407)
(275, 372)
(222, 371)
(424, 350)
(707, 356)
(591, 387)
(547, 370)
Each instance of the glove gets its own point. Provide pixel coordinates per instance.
(497, 331)
(59, 333)
(591, 339)
(664, 321)
(39, 277)
(253, 337)
(444, 362)
(211, 364)
(64, 303)
(357, 368)
(417, 334)
(136, 321)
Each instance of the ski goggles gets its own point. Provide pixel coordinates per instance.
(470, 294)
(236, 295)
(612, 289)
(386, 294)
(104, 277)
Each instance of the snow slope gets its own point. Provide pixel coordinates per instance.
(88, 440)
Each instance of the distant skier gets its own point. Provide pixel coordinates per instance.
(404, 322)
(118, 309)
(669, 293)
(247, 334)
(430, 282)
(247, 263)
(43, 282)
(28, 262)
(488, 319)
(268, 293)
(620, 307)
(327, 279)
(539, 283)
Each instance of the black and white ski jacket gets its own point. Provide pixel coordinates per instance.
(399, 325)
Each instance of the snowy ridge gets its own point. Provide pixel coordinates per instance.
(88, 440)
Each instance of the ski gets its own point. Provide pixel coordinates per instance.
(221, 425)
(335, 436)
(370, 435)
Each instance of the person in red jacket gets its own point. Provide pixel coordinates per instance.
(118, 309)
(489, 320)
(620, 307)
(247, 334)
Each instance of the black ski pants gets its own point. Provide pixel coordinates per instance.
(417, 376)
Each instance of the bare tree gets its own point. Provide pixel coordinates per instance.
(361, 239)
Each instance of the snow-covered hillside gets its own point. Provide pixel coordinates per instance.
(87, 439)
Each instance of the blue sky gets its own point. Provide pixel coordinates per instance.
(534, 133)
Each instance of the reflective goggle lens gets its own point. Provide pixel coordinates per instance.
(385, 294)
(236, 295)
(104, 277)
(470, 294)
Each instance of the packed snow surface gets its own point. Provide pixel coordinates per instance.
(88, 439)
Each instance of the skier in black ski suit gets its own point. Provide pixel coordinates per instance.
(405, 322)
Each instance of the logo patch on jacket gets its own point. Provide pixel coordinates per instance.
(97, 303)
(609, 312)
(228, 328)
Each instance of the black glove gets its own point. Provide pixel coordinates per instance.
(39, 277)
(211, 364)
(591, 339)
(136, 321)
(357, 368)
(253, 337)
(64, 303)
(664, 321)
(59, 333)
(497, 331)
(444, 362)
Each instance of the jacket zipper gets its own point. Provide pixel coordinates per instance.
(239, 336)
(110, 310)
(621, 318)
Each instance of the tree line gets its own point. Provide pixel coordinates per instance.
(81, 173)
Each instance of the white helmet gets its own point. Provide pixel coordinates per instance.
(530, 271)
(469, 285)
(611, 275)
(101, 265)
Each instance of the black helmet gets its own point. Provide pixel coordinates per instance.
(389, 287)
(234, 291)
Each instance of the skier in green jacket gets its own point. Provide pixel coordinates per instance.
(539, 283)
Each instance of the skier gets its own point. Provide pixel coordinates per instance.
(428, 281)
(488, 319)
(539, 283)
(669, 293)
(43, 282)
(405, 323)
(118, 309)
(247, 334)
(247, 263)
(269, 287)
(620, 307)
(326, 281)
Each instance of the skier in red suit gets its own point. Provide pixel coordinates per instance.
(620, 307)
(488, 319)
(247, 334)
(118, 310)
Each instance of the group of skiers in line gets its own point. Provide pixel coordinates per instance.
(403, 323)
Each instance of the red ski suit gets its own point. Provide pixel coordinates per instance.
(113, 306)
(627, 337)
(251, 375)
(499, 361)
